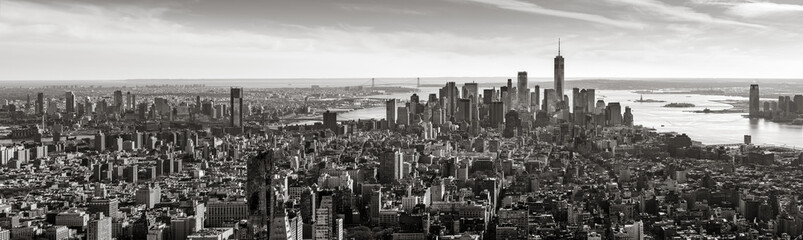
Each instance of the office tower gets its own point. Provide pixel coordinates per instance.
(414, 106)
(591, 98)
(236, 105)
(504, 93)
(577, 100)
(109, 207)
(470, 90)
(149, 195)
(100, 228)
(130, 174)
(614, 114)
(496, 114)
(330, 121)
(118, 100)
(487, 96)
(755, 101)
(402, 116)
(40, 103)
(308, 204)
(559, 76)
(449, 95)
(627, 119)
(100, 142)
(549, 100)
(798, 99)
(535, 99)
(128, 103)
(391, 113)
(463, 110)
(70, 104)
(389, 164)
(374, 204)
(259, 194)
(523, 91)
(132, 102)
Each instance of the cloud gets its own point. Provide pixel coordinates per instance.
(763, 9)
(681, 13)
(379, 9)
(527, 7)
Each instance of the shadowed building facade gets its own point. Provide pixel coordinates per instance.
(259, 195)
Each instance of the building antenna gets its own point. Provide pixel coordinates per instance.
(558, 46)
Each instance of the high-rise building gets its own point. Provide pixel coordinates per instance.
(755, 101)
(330, 121)
(470, 90)
(402, 116)
(449, 95)
(535, 98)
(236, 105)
(118, 100)
(375, 205)
(391, 113)
(463, 110)
(70, 104)
(109, 207)
(627, 118)
(389, 165)
(259, 195)
(100, 142)
(100, 228)
(549, 101)
(40, 103)
(488, 96)
(591, 98)
(496, 113)
(559, 76)
(523, 91)
(614, 114)
(414, 106)
(149, 195)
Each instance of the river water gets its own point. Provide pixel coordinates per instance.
(711, 128)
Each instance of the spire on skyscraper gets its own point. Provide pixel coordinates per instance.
(558, 46)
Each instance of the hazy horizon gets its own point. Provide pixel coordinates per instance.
(279, 39)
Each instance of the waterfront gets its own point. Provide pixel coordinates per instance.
(712, 128)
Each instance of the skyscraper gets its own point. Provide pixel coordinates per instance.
(236, 105)
(488, 96)
(549, 101)
(414, 107)
(118, 100)
(100, 227)
(470, 90)
(755, 102)
(40, 103)
(535, 98)
(330, 121)
(391, 113)
(559, 76)
(523, 91)
(496, 113)
(591, 98)
(70, 104)
(449, 95)
(614, 114)
(259, 170)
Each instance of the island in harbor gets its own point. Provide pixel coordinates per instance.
(642, 100)
(679, 105)
(739, 106)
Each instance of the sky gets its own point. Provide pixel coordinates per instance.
(189, 39)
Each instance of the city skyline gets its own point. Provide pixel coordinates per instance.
(337, 39)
